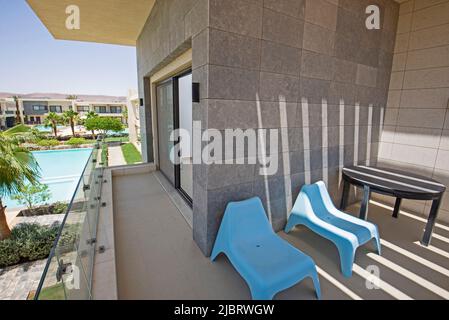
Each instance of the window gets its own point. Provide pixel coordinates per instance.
(57, 109)
(115, 109)
(32, 119)
(82, 108)
(100, 109)
(40, 108)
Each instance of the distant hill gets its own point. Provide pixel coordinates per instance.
(81, 97)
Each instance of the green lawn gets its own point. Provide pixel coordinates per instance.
(91, 141)
(55, 292)
(104, 154)
(131, 154)
(117, 139)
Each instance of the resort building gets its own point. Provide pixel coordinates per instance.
(134, 117)
(36, 107)
(36, 110)
(8, 113)
(336, 83)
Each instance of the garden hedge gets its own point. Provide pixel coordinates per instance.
(28, 242)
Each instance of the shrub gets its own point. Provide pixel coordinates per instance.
(55, 208)
(34, 241)
(28, 242)
(9, 253)
(48, 143)
(76, 141)
(60, 207)
(68, 238)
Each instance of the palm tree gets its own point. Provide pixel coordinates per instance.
(92, 114)
(125, 115)
(18, 117)
(72, 97)
(71, 117)
(17, 168)
(52, 121)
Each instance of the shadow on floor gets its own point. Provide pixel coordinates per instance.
(157, 258)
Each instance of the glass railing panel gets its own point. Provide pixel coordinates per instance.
(52, 288)
(71, 272)
(77, 225)
(68, 273)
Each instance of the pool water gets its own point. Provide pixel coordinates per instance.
(60, 171)
(43, 128)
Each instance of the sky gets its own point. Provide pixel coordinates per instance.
(31, 60)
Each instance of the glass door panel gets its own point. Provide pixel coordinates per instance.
(185, 122)
(165, 127)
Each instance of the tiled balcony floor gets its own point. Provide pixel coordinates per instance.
(157, 258)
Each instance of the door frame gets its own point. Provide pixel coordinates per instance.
(174, 80)
(176, 123)
(180, 63)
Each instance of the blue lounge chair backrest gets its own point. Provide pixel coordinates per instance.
(316, 200)
(302, 206)
(246, 219)
(315, 209)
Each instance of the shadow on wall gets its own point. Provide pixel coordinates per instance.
(315, 142)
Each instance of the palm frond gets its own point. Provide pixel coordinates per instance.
(17, 165)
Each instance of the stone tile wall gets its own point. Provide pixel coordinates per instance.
(298, 51)
(416, 131)
(309, 68)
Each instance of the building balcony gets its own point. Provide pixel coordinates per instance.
(342, 103)
(146, 227)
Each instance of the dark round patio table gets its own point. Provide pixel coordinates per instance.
(395, 183)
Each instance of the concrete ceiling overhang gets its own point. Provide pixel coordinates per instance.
(103, 21)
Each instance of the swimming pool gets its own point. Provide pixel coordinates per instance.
(60, 171)
(43, 128)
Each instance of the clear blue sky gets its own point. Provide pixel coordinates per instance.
(31, 60)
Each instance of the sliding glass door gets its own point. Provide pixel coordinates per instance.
(174, 111)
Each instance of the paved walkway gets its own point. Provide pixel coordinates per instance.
(16, 282)
(46, 220)
(116, 157)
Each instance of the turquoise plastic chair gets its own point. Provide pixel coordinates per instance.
(268, 263)
(314, 209)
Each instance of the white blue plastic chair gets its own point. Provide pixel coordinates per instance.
(314, 209)
(268, 263)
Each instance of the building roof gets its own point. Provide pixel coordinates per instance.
(61, 96)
